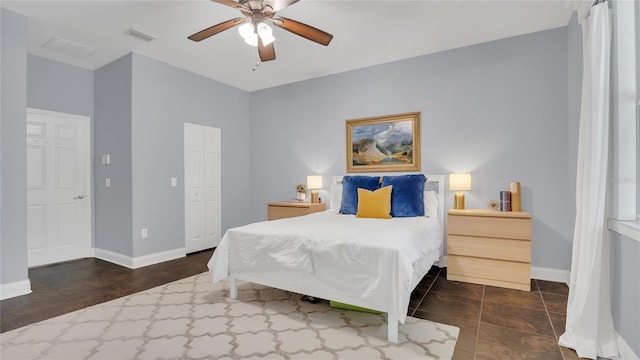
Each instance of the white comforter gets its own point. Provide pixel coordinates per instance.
(374, 259)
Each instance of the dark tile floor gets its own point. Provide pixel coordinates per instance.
(65, 287)
(494, 323)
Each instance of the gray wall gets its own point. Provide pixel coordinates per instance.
(141, 96)
(55, 86)
(497, 110)
(112, 135)
(13, 222)
(625, 288)
(164, 98)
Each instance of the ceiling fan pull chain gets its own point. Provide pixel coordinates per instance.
(255, 67)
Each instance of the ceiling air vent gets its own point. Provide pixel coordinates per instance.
(139, 34)
(69, 47)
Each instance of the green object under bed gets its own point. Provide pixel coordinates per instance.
(339, 305)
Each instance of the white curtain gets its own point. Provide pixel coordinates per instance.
(589, 325)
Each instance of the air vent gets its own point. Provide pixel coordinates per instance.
(139, 34)
(69, 47)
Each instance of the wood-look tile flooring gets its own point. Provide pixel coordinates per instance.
(494, 323)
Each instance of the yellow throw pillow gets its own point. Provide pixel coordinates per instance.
(374, 204)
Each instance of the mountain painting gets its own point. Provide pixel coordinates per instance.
(382, 143)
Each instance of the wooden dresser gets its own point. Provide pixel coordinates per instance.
(287, 209)
(489, 247)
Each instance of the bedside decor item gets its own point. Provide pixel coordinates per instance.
(301, 191)
(314, 182)
(514, 188)
(493, 205)
(384, 143)
(459, 183)
(505, 201)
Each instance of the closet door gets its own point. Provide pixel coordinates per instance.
(202, 187)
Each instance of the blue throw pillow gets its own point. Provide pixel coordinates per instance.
(407, 196)
(350, 185)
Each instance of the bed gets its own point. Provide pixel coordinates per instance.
(365, 262)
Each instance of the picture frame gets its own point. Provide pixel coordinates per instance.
(383, 143)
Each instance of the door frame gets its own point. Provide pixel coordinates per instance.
(87, 232)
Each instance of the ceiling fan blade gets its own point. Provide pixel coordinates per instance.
(201, 35)
(304, 30)
(277, 5)
(230, 3)
(267, 53)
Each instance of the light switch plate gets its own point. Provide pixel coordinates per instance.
(107, 182)
(106, 159)
(174, 182)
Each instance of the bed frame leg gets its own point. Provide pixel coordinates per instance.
(392, 328)
(233, 286)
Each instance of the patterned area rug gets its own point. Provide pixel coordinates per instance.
(194, 319)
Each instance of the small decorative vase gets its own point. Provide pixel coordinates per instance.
(301, 196)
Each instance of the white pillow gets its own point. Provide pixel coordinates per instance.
(336, 196)
(431, 204)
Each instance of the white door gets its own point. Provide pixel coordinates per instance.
(58, 205)
(202, 187)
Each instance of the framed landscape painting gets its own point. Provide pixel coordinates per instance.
(384, 143)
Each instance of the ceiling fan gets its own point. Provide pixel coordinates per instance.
(256, 32)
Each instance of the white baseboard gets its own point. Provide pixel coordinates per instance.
(18, 288)
(626, 352)
(549, 274)
(157, 258)
(141, 261)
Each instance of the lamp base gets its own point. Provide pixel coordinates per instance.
(458, 201)
(315, 198)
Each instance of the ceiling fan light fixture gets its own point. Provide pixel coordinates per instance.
(266, 34)
(252, 40)
(255, 32)
(247, 31)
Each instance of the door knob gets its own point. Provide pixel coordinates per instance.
(79, 197)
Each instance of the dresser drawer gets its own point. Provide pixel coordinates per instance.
(492, 248)
(493, 227)
(509, 271)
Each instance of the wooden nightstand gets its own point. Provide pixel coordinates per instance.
(489, 247)
(287, 209)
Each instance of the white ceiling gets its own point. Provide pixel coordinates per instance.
(365, 33)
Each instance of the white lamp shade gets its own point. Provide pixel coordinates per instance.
(460, 182)
(314, 182)
(266, 34)
(246, 30)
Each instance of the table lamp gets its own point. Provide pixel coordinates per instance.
(459, 183)
(314, 182)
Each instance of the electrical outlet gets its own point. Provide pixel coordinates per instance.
(107, 182)
(144, 233)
